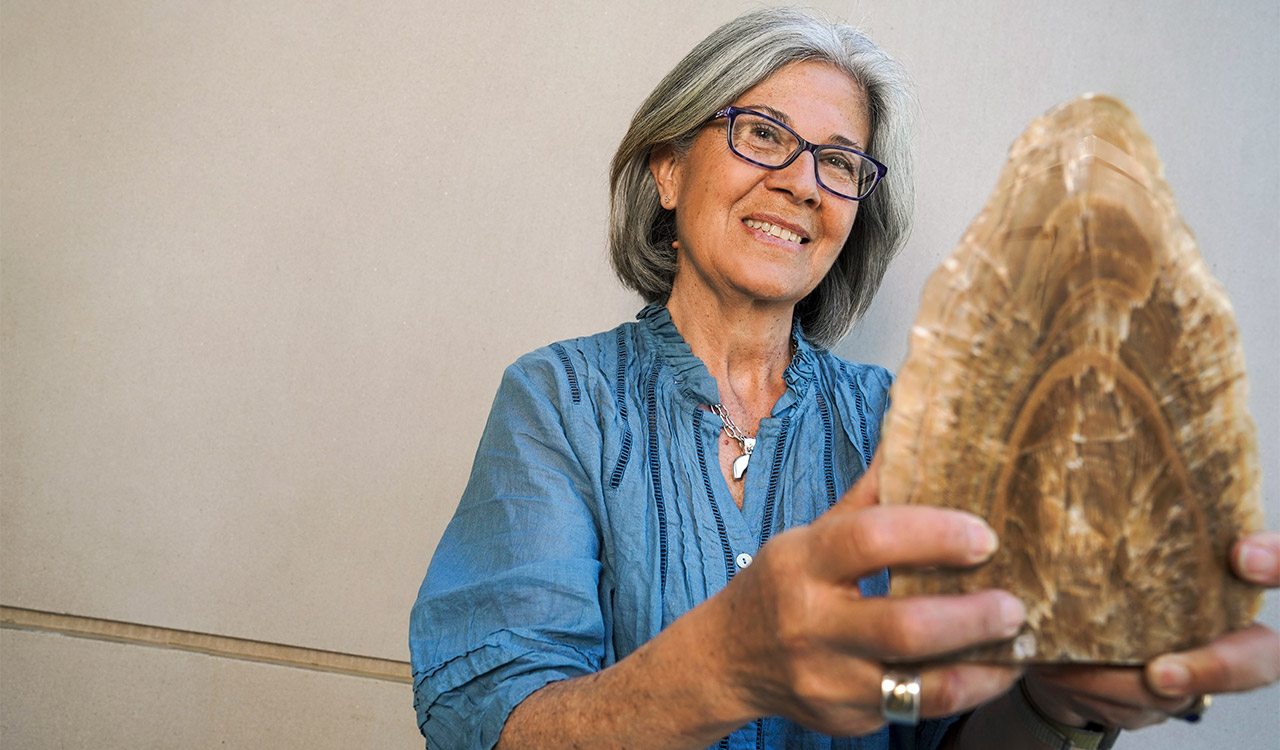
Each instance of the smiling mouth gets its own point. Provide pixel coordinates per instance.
(773, 229)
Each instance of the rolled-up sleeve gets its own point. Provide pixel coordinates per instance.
(510, 601)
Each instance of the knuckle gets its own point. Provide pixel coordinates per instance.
(946, 526)
(1211, 669)
(795, 637)
(906, 636)
(814, 691)
(948, 694)
(869, 538)
(993, 622)
(797, 627)
(783, 562)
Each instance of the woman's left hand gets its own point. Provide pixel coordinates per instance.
(1131, 698)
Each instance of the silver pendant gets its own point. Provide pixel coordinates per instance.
(740, 463)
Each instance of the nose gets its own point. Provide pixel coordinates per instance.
(799, 179)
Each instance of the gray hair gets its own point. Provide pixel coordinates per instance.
(733, 59)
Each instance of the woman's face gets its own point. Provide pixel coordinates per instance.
(726, 208)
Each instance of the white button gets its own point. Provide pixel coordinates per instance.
(743, 560)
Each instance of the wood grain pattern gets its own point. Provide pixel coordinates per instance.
(1075, 377)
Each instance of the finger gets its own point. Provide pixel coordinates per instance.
(843, 696)
(1256, 558)
(953, 688)
(945, 689)
(921, 627)
(1243, 660)
(1102, 686)
(850, 545)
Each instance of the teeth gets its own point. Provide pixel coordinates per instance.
(773, 229)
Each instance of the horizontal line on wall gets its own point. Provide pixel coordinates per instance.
(19, 618)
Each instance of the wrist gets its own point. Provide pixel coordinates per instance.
(1047, 704)
(1052, 731)
(719, 664)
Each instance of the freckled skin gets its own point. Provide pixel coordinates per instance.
(714, 191)
(741, 282)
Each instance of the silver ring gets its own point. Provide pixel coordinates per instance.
(900, 697)
(1193, 713)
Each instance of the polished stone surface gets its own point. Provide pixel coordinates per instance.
(1075, 377)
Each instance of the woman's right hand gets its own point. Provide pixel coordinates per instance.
(801, 641)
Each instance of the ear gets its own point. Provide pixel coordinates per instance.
(664, 165)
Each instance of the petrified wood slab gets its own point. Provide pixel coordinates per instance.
(1075, 377)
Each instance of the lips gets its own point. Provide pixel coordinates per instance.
(775, 230)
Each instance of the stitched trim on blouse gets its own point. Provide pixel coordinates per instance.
(865, 448)
(568, 370)
(828, 461)
(860, 405)
(774, 471)
(624, 455)
(729, 568)
(655, 476)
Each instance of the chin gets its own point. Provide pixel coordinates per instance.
(773, 289)
(776, 296)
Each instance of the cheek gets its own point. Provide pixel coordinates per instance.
(839, 234)
(840, 227)
(853, 216)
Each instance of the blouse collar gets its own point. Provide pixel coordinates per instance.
(691, 375)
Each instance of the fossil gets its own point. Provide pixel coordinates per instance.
(1075, 377)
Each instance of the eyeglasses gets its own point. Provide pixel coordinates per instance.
(768, 143)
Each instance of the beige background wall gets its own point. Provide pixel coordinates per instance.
(263, 263)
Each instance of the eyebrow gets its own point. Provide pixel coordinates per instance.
(836, 140)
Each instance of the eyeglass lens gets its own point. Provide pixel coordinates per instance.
(763, 141)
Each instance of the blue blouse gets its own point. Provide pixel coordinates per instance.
(596, 514)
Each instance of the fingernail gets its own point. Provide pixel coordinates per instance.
(1012, 613)
(1172, 676)
(1256, 561)
(982, 539)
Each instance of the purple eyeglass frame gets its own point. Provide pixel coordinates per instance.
(731, 113)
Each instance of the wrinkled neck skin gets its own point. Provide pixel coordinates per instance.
(745, 344)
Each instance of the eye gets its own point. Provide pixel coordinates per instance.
(762, 132)
(839, 162)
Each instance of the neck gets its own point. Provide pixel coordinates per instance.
(745, 345)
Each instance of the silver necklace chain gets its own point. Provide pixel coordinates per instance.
(730, 428)
(745, 441)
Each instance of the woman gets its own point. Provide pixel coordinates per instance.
(653, 550)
